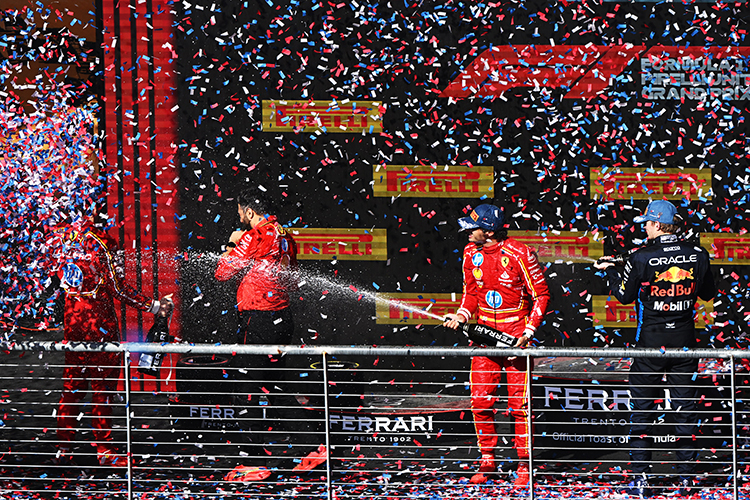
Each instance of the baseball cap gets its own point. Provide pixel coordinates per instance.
(487, 217)
(658, 211)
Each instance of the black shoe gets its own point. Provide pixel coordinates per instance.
(686, 486)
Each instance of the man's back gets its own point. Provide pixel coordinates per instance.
(667, 277)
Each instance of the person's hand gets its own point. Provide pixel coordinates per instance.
(522, 341)
(165, 305)
(528, 334)
(602, 265)
(235, 237)
(452, 321)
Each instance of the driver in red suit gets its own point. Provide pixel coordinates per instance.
(504, 287)
(91, 277)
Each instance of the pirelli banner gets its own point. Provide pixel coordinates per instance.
(727, 248)
(646, 184)
(561, 246)
(420, 181)
(608, 312)
(343, 244)
(419, 308)
(415, 308)
(330, 116)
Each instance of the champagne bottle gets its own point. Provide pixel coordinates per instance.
(617, 259)
(486, 336)
(150, 362)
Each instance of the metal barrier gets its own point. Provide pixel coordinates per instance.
(405, 430)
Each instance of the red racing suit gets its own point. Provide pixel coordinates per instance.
(504, 286)
(266, 258)
(91, 277)
(267, 254)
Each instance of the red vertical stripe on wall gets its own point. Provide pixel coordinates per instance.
(140, 112)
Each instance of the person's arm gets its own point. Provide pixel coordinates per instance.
(111, 270)
(625, 287)
(237, 258)
(469, 300)
(536, 286)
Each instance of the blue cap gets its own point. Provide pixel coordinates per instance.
(487, 217)
(658, 211)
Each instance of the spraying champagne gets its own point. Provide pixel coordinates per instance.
(618, 259)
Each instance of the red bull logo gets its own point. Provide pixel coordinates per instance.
(676, 290)
(674, 275)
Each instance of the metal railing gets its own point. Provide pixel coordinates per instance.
(396, 423)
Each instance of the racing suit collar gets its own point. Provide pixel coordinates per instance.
(492, 248)
(267, 219)
(667, 238)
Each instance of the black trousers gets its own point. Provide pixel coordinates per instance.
(262, 380)
(646, 387)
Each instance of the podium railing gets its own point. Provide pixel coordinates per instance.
(409, 435)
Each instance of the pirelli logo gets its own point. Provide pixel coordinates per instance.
(727, 248)
(405, 308)
(308, 116)
(564, 246)
(343, 244)
(640, 184)
(609, 312)
(420, 181)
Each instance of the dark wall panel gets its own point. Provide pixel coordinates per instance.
(560, 100)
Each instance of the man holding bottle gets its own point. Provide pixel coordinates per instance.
(504, 287)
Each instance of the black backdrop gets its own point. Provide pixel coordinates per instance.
(541, 144)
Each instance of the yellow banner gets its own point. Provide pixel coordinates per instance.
(344, 244)
(727, 248)
(567, 246)
(406, 308)
(420, 181)
(609, 312)
(309, 116)
(641, 184)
